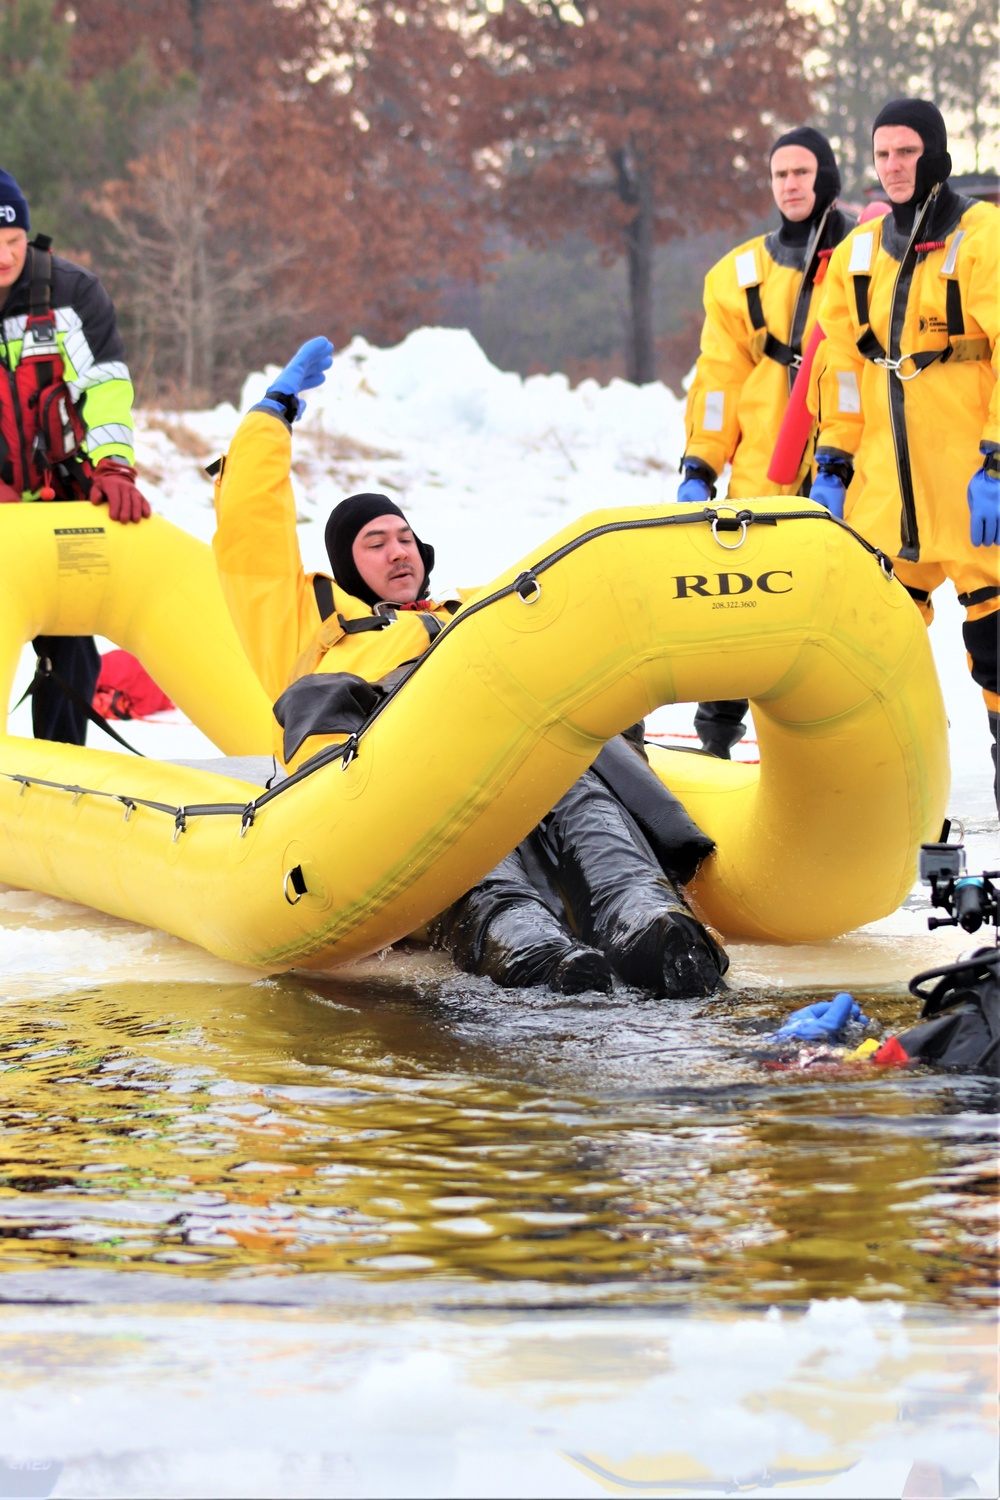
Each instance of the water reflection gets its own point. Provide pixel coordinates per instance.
(433, 1127)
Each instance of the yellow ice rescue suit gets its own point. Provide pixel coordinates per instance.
(293, 624)
(759, 313)
(905, 388)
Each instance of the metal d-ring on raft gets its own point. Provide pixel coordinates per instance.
(623, 611)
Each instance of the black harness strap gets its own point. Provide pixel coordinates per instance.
(909, 535)
(790, 355)
(323, 591)
(754, 307)
(978, 596)
(869, 346)
(40, 278)
(367, 622)
(782, 354)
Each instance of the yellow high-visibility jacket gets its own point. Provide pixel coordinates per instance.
(947, 408)
(272, 600)
(739, 392)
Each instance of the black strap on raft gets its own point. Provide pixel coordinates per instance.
(527, 587)
(44, 672)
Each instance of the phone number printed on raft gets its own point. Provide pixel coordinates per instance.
(83, 549)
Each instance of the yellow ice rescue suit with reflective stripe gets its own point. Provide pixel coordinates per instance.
(275, 604)
(759, 313)
(905, 384)
(946, 300)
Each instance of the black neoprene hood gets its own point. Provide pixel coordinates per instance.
(927, 120)
(346, 520)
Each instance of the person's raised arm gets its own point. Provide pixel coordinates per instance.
(256, 545)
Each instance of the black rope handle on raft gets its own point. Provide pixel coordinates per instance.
(528, 590)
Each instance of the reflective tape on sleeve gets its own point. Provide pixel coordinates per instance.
(715, 410)
(113, 369)
(861, 253)
(111, 432)
(848, 394)
(948, 264)
(746, 269)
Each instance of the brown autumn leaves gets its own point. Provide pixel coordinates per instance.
(335, 167)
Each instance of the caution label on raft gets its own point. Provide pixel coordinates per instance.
(83, 549)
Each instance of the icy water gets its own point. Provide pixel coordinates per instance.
(425, 1124)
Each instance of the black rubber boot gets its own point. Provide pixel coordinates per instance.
(721, 725)
(502, 928)
(621, 901)
(994, 730)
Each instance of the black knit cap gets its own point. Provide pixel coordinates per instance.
(926, 119)
(827, 184)
(346, 520)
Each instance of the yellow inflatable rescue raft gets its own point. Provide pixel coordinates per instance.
(621, 612)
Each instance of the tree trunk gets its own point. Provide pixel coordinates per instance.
(196, 16)
(634, 184)
(640, 361)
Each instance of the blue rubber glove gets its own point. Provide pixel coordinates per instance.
(984, 508)
(829, 489)
(693, 491)
(696, 487)
(822, 1022)
(306, 370)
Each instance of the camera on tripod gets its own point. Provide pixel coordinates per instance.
(969, 900)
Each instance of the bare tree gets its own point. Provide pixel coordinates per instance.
(192, 287)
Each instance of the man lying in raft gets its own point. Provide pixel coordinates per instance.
(594, 889)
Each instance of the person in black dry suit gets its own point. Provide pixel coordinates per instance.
(594, 890)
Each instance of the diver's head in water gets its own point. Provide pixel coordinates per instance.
(374, 552)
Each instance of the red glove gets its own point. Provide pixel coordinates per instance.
(114, 481)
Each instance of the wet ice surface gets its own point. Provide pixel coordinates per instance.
(397, 1232)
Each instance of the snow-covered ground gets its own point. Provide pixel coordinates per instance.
(487, 466)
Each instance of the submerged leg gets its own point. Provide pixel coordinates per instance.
(502, 928)
(620, 899)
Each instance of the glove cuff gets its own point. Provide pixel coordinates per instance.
(697, 468)
(833, 463)
(289, 404)
(110, 465)
(991, 459)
